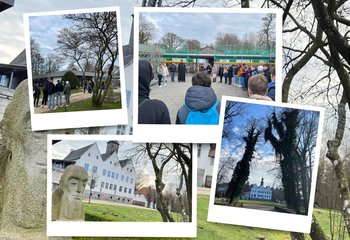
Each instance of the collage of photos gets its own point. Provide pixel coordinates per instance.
(174, 120)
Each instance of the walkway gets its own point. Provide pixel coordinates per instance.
(73, 98)
(105, 202)
(173, 95)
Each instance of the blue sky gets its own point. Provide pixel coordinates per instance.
(264, 164)
(205, 26)
(45, 29)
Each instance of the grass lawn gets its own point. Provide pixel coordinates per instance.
(117, 213)
(217, 231)
(222, 201)
(86, 105)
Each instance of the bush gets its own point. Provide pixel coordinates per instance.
(97, 217)
(72, 78)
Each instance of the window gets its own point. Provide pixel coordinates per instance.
(89, 154)
(127, 169)
(120, 189)
(96, 157)
(110, 186)
(131, 180)
(86, 166)
(130, 190)
(94, 169)
(208, 181)
(102, 184)
(120, 129)
(113, 173)
(199, 148)
(130, 170)
(125, 190)
(106, 186)
(115, 187)
(108, 173)
(122, 178)
(116, 176)
(127, 179)
(110, 163)
(131, 131)
(104, 173)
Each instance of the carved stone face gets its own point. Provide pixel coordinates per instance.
(72, 186)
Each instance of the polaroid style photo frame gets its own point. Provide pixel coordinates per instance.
(274, 150)
(156, 50)
(62, 46)
(113, 165)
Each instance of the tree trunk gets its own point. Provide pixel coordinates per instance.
(316, 232)
(244, 3)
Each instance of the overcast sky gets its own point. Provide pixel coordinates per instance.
(204, 27)
(11, 27)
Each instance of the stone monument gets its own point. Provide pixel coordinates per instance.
(67, 204)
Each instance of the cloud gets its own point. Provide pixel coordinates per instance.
(11, 27)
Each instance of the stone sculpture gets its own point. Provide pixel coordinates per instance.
(67, 202)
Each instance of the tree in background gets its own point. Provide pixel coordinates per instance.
(193, 44)
(171, 41)
(223, 39)
(242, 170)
(147, 30)
(37, 58)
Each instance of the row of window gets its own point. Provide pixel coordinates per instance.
(263, 192)
(260, 196)
(111, 186)
(109, 173)
(115, 175)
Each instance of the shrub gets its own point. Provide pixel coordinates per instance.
(72, 78)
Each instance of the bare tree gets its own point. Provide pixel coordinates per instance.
(147, 30)
(227, 39)
(37, 58)
(193, 44)
(171, 41)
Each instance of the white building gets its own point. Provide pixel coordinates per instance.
(109, 177)
(205, 164)
(261, 192)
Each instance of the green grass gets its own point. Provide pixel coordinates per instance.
(117, 213)
(222, 201)
(217, 231)
(86, 105)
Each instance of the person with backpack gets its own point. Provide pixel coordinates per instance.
(151, 111)
(201, 104)
(66, 91)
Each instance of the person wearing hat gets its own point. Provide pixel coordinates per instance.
(66, 91)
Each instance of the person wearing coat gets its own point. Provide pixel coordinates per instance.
(181, 72)
(172, 70)
(151, 111)
(221, 72)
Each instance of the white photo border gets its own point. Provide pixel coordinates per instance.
(117, 229)
(192, 133)
(46, 121)
(260, 218)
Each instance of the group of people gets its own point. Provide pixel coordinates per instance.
(52, 93)
(239, 75)
(201, 103)
(89, 86)
(163, 72)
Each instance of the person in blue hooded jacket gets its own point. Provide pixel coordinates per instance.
(200, 102)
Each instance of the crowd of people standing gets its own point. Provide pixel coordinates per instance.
(52, 93)
(201, 105)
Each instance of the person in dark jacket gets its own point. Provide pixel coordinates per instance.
(45, 89)
(209, 69)
(267, 72)
(181, 77)
(67, 89)
(151, 111)
(51, 91)
(271, 86)
(199, 97)
(36, 94)
(172, 70)
(221, 72)
(230, 74)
